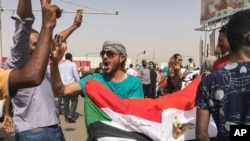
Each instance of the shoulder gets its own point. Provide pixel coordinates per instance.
(4, 88)
(132, 78)
(221, 62)
(4, 74)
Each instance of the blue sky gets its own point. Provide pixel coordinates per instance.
(161, 27)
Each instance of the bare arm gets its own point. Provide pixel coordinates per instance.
(32, 73)
(24, 9)
(202, 123)
(59, 89)
(77, 23)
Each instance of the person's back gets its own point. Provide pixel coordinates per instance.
(69, 74)
(225, 93)
(131, 70)
(68, 71)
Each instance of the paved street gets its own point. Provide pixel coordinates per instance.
(72, 131)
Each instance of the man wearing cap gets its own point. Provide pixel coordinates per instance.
(114, 77)
(114, 57)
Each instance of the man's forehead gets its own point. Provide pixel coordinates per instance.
(111, 49)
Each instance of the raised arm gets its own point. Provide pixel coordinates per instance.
(24, 9)
(77, 23)
(59, 89)
(32, 73)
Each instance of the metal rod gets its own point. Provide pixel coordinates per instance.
(1, 48)
(64, 11)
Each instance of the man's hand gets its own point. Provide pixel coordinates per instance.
(58, 49)
(7, 123)
(78, 19)
(50, 13)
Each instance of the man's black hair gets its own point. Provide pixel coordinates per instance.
(131, 65)
(223, 29)
(68, 56)
(238, 26)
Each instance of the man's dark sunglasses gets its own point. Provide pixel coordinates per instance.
(109, 53)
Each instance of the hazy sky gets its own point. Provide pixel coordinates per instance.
(160, 27)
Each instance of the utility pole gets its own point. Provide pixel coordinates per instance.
(138, 55)
(1, 54)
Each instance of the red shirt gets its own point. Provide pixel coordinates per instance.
(219, 63)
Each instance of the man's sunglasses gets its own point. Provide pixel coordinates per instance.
(109, 53)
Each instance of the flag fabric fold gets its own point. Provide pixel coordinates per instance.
(170, 117)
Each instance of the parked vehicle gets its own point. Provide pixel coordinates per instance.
(189, 77)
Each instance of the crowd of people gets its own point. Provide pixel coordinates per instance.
(31, 89)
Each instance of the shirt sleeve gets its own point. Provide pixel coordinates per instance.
(75, 72)
(4, 83)
(20, 51)
(202, 98)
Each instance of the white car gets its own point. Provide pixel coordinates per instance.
(189, 77)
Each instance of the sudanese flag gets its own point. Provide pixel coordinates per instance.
(170, 117)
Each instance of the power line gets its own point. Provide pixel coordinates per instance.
(12, 9)
(81, 5)
(64, 11)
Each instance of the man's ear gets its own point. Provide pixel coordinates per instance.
(247, 38)
(123, 57)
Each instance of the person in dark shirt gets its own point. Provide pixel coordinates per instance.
(225, 93)
(153, 77)
(99, 69)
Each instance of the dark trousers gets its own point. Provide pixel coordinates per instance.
(59, 103)
(147, 90)
(70, 110)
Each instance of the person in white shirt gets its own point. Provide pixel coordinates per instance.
(131, 70)
(69, 74)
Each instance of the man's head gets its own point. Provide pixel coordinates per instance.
(130, 65)
(190, 60)
(68, 56)
(34, 35)
(239, 32)
(100, 65)
(114, 56)
(222, 40)
(144, 63)
(151, 65)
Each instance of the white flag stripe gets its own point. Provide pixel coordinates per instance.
(159, 131)
(114, 139)
(132, 123)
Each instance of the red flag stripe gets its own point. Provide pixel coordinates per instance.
(149, 109)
